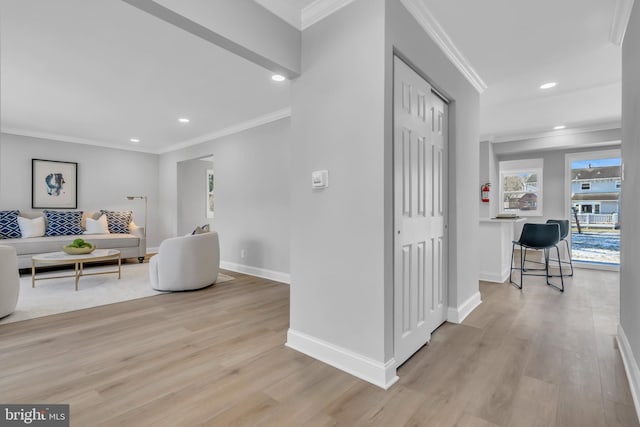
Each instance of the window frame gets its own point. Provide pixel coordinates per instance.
(519, 167)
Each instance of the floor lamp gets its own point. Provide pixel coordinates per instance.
(140, 259)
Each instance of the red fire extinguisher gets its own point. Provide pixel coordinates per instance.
(485, 192)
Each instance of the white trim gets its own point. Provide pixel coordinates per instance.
(428, 22)
(153, 250)
(75, 140)
(630, 367)
(276, 276)
(258, 121)
(548, 133)
(240, 127)
(492, 277)
(320, 9)
(381, 374)
(458, 314)
(620, 21)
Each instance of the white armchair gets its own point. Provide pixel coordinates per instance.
(186, 263)
(9, 280)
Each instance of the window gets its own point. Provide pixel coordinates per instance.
(521, 187)
(209, 193)
(618, 184)
(585, 186)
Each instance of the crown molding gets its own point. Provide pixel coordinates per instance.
(620, 20)
(320, 9)
(258, 121)
(594, 127)
(428, 22)
(76, 140)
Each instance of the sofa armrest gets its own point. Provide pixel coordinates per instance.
(139, 232)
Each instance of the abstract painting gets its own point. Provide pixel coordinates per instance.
(54, 184)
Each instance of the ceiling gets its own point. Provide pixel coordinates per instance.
(103, 72)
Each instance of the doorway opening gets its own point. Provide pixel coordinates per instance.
(594, 207)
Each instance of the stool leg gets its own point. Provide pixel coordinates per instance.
(570, 260)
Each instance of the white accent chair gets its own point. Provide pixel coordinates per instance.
(186, 263)
(9, 280)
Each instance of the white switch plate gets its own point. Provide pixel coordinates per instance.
(319, 179)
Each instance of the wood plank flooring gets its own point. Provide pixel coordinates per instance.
(216, 357)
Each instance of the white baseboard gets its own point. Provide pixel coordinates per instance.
(492, 277)
(153, 250)
(630, 367)
(458, 314)
(380, 374)
(258, 272)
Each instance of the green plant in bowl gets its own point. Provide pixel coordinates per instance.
(79, 247)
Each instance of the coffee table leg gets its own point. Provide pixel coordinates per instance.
(119, 265)
(33, 274)
(77, 276)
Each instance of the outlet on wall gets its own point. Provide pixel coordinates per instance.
(243, 253)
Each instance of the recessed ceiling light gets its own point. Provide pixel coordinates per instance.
(278, 78)
(548, 85)
(134, 140)
(559, 127)
(183, 120)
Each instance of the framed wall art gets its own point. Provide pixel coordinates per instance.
(54, 184)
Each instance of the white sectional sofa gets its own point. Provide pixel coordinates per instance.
(131, 245)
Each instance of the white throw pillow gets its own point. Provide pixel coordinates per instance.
(31, 227)
(97, 226)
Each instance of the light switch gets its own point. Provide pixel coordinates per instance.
(319, 179)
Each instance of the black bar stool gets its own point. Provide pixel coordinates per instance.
(537, 236)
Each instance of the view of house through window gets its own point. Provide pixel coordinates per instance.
(595, 208)
(521, 187)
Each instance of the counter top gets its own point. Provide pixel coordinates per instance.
(498, 220)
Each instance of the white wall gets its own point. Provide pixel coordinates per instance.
(252, 179)
(342, 237)
(105, 176)
(630, 237)
(338, 241)
(405, 36)
(192, 200)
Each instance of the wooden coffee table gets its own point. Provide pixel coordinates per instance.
(62, 258)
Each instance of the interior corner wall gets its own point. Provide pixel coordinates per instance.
(105, 176)
(338, 242)
(252, 184)
(630, 198)
(408, 38)
(192, 196)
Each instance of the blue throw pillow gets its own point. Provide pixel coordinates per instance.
(118, 221)
(63, 223)
(9, 228)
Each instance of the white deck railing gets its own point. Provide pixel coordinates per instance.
(597, 219)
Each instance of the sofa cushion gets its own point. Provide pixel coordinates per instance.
(63, 223)
(118, 221)
(97, 226)
(40, 245)
(9, 228)
(31, 227)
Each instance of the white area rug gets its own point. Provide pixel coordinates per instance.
(58, 295)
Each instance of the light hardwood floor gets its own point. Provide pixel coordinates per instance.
(216, 357)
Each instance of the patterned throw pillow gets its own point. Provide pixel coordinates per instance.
(118, 221)
(63, 223)
(9, 228)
